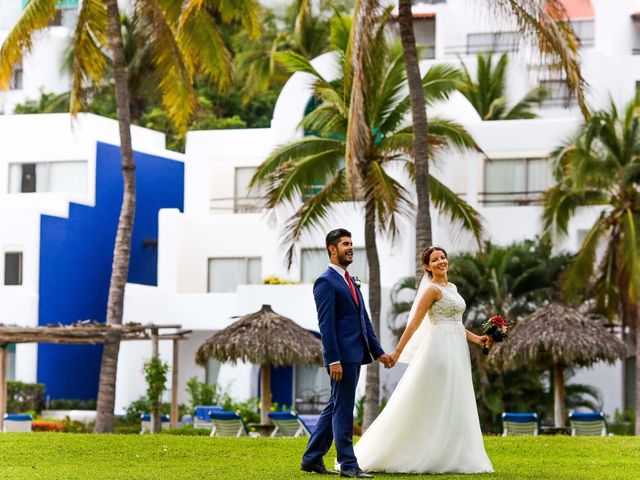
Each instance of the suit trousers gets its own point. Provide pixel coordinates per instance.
(336, 422)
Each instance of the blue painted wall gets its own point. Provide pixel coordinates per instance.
(76, 256)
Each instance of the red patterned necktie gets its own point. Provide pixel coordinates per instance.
(351, 287)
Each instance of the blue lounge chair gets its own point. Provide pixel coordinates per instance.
(519, 424)
(587, 423)
(14, 422)
(201, 416)
(145, 422)
(228, 424)
(288, 424)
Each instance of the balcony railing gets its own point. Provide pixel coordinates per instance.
(237, 205)
(512, 199)
(479, 48)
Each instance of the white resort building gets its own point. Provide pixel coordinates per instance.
(203, 244)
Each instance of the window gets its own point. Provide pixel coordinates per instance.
(225, 274)
(585, 30)
(314, 261)
(59, 177)
(312, 389)
(13, 268)
(16, 82)
(245, 200)
(516, 181)
(497, 42)
(558, 92)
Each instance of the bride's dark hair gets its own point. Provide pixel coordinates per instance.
(426, 255)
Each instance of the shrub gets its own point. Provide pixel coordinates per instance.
(72, 404)
(25, 397)
(623, 422)
(48, 426)
(188, 430)
(273, 280)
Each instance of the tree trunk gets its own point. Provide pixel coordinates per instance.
(156, 423)
(559, 411)
(420, 129)
(122, 249)
(265, 393)
(372, 390)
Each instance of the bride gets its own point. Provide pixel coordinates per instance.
(430, 424)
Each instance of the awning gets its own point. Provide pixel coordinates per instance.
(576, 10)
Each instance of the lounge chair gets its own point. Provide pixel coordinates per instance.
(587, 423)
(519, 424)
(145, 422)
(201, 416)
(229, 424)
(288, 424)
(17, 422)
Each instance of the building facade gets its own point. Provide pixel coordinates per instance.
(216, 243)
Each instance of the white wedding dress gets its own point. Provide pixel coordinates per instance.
(430, 424)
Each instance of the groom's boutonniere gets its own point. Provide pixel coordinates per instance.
(357, 282)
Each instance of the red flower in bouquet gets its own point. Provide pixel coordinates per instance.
(497, 328)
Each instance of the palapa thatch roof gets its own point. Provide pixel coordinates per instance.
(556, 335)
(263, 337)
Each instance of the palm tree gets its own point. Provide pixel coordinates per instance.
(600, 166)
(318, 159)
(537, 20)
(306, 31)
(183, 38)
(488, 95)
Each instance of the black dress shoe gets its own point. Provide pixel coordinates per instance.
(354, 474)
(319, 468)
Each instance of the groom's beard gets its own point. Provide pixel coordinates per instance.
(344, 261)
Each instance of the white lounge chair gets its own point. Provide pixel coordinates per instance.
(288, 424)
(17, 422)
(587, 424)
(145, 422)
(519, 424)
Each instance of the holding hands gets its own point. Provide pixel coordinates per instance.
(387, 360)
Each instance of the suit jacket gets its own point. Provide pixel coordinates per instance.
(345, 328)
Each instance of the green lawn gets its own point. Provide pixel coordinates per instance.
(86, 456)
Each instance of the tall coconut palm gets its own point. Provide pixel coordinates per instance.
(488, 95)
(183, 38)
(600, 166)
(318, 159)
(541, 23)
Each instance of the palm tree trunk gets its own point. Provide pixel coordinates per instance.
(637, 373)
(420, 129)
(559, 412)
(122, 249)
(372, 389)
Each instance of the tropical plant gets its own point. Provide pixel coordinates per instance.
(155, 374)
(318, 159)
(488, 92)
(600, 166)
(182, 39)
(303, 28)
(541, 23)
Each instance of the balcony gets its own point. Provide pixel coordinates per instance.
(237, 205)
(510, 199)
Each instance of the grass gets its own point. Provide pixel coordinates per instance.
(87, 456)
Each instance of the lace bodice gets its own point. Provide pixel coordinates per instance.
(449, 308)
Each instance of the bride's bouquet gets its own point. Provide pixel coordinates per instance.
(497, 328)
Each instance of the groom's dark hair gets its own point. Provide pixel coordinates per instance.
(334, 236)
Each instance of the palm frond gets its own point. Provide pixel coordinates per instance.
(175, 84)
(459, 211)
(89, 60)
(36, 15)
(580, 271)
(313, 212)
(522, 109)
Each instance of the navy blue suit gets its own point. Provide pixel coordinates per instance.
(347, 337)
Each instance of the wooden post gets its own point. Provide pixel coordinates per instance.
(265, 393)
(558, 396)
(156, 424)
(174, 385)
(4, 351)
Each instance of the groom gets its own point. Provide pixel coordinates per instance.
(348, 341)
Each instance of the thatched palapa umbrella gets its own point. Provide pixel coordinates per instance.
(555, 337)
(264, 338)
